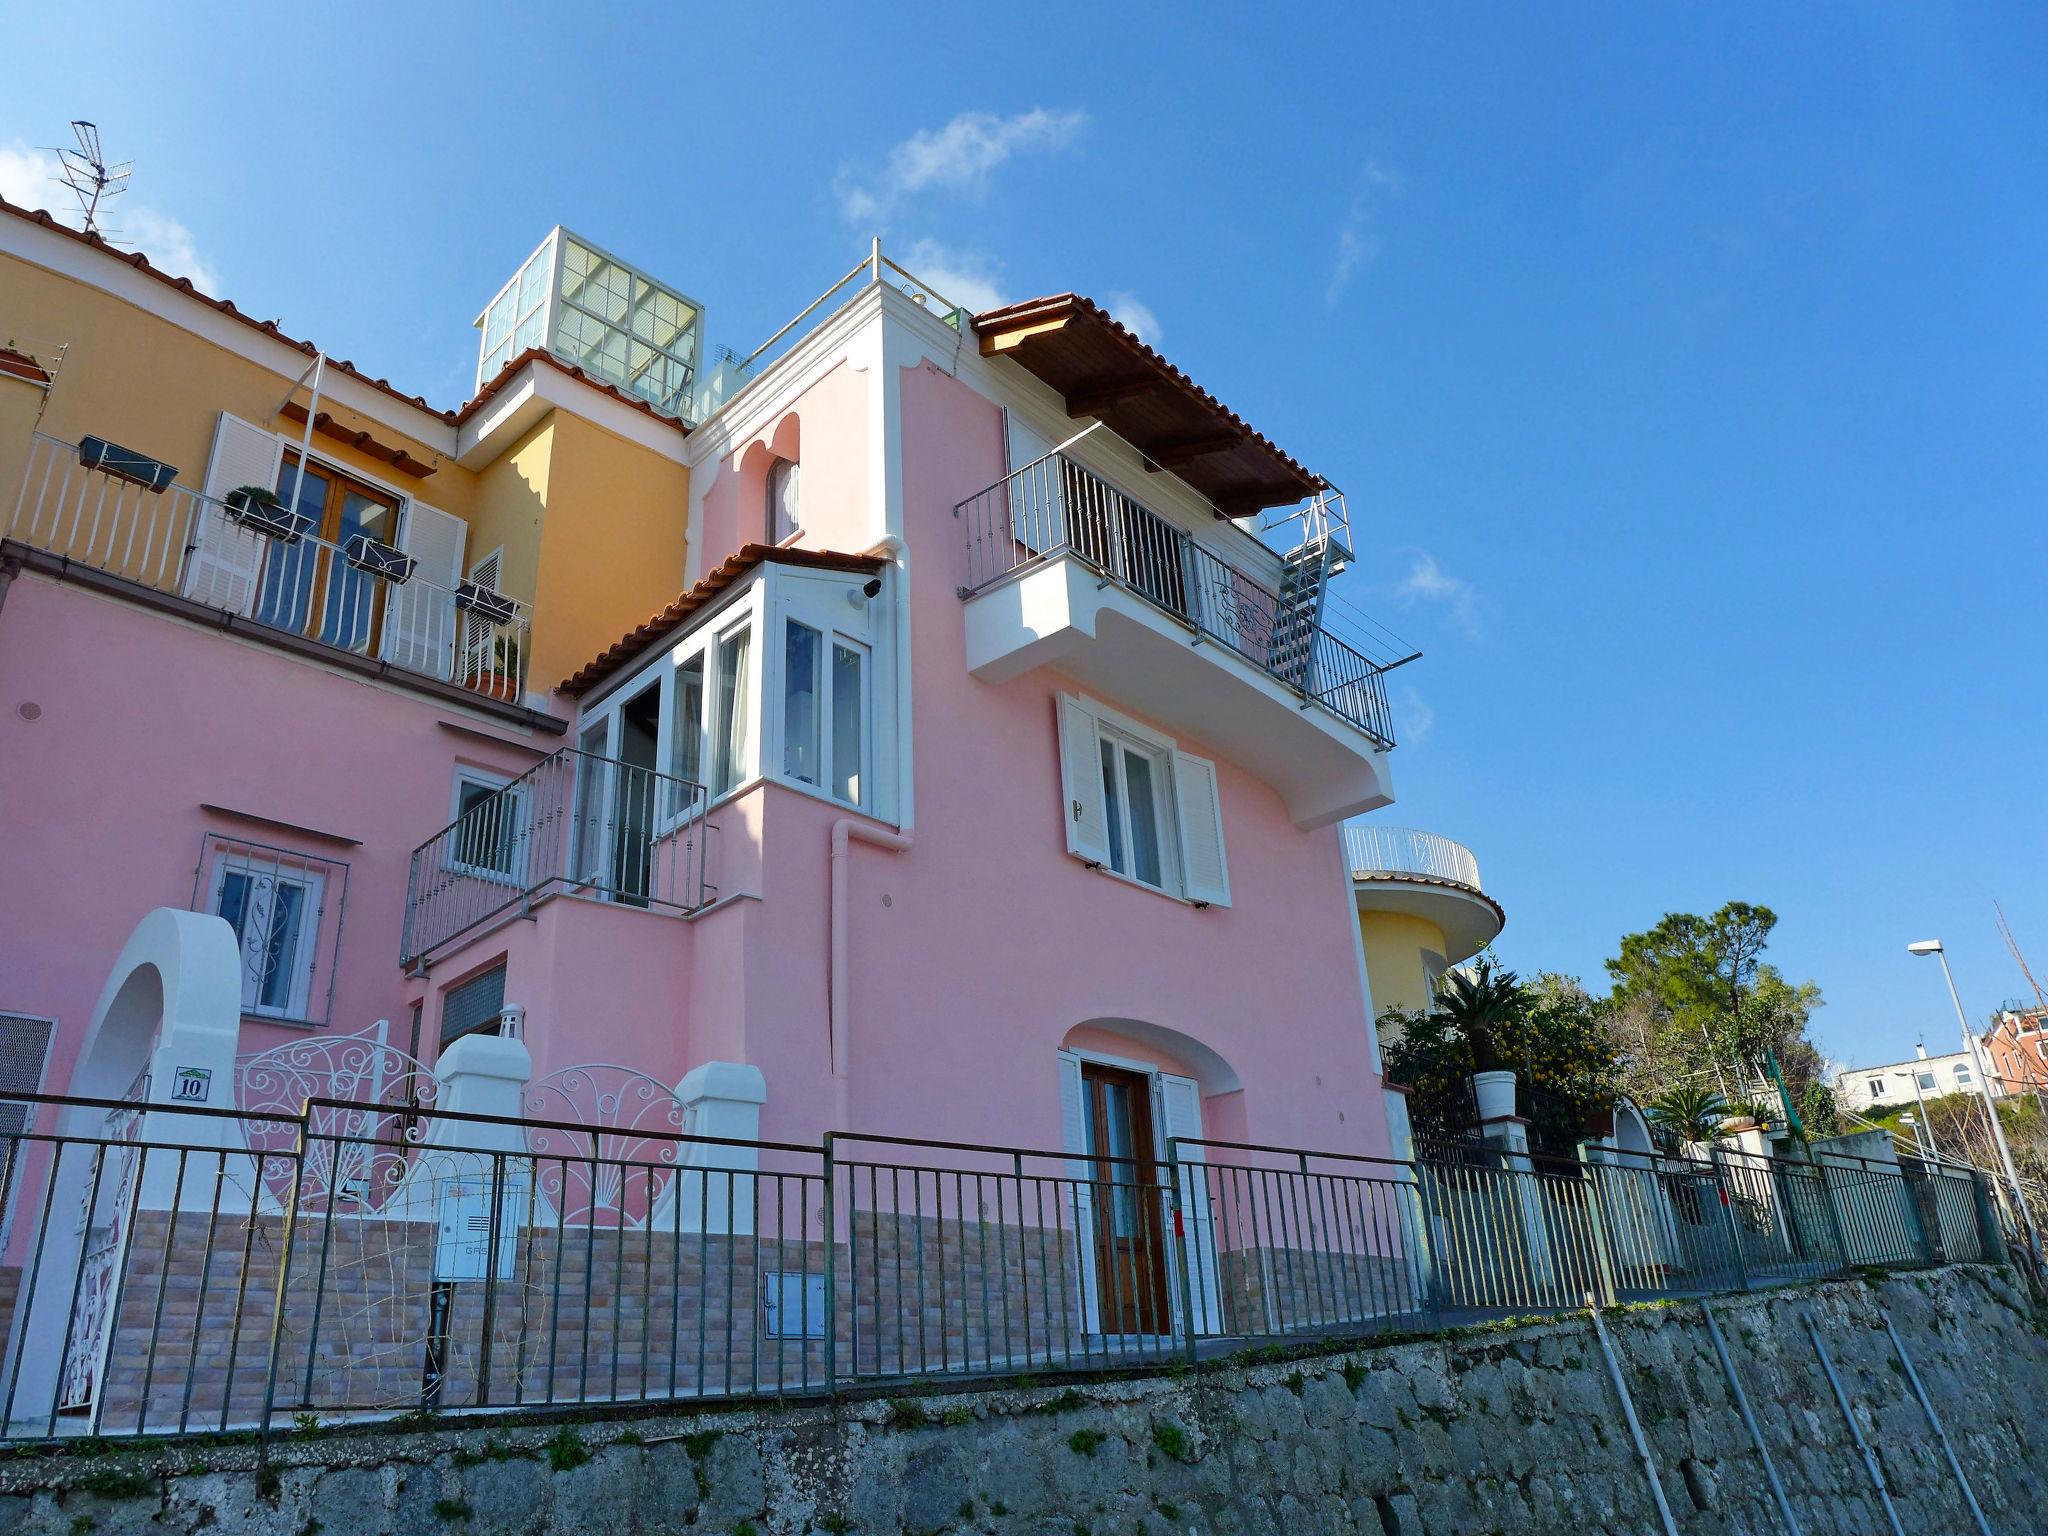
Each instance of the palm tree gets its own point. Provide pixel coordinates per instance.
(1690, 1114)
(1478, 1001)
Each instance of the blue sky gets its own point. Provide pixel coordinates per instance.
(1685, 368)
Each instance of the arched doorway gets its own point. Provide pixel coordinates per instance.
(1135, 1107)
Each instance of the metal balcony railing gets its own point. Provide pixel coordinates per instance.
(574, 824)
(306, 587)
(1055, 507)
(1375, 851)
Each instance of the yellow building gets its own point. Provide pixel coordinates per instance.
(532, 523)
(1421, 910)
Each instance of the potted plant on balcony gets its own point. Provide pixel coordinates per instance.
(499, 677)
(1479, 1001)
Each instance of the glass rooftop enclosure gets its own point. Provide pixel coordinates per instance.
(594, 311)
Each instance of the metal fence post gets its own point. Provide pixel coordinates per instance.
(1723, 1188)
(284, 1272)
(1176, 1203)
(831, 1276)
(1827, 1192)
(1990, 1232)
(1603, 1255)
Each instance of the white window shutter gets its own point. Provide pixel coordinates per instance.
(1180, 1114)
(223, 568)
(1205, 873)
(419, 615)
(1077, 1202)
(1084, 808)
(1037, 500)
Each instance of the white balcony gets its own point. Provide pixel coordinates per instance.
(1401, 869)
(1066, 571)
(356, 599)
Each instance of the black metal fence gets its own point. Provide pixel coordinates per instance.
(172, 1270)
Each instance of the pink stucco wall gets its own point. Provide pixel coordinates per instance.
(980, 951)
(826, 432)
(143, 719)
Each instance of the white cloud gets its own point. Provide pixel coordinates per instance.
(1414, 719)
(960, 157)
(1358, 242)
(28, 178)
(971, 279)
(1428, 582)
(1135, 316)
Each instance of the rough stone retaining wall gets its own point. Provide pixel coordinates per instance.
(1507, 1430)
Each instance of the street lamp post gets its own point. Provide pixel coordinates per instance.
(2012, 1174)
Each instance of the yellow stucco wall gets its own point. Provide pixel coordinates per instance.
(148, 384)
(592, 525)
(1394, 945)
(612, 547)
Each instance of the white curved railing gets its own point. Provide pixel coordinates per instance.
(1406, 851)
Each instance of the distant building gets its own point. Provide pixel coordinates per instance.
(2016, 1049)
(1863, 1089)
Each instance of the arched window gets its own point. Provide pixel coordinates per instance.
(782, 500)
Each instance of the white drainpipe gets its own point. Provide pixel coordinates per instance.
(844, 832)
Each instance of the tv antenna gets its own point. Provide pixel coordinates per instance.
(86, 172)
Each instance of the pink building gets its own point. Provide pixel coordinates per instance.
(947, 739)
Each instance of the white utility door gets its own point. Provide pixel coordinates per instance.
(1179, 1110)
(226, 562)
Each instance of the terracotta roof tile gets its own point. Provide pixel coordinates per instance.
(643, 637)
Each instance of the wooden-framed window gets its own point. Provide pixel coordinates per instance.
(307, 578)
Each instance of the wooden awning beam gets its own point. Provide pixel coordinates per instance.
(1097, 396)
(1187, 450)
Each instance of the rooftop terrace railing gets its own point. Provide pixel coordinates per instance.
(298, 584)
(574, 824)
(1376, 851)
(1058, 507)
(180, 1270)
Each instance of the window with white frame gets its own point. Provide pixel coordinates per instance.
(783, 519)
(1138, 806)
(488, 824)
(826, 723)
(784, 682)
(274, 900)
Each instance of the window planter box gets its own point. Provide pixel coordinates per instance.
(262, 513)
(125, 464)
(379, 559)
(485, 603)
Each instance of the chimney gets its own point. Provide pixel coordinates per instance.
(1921, 1047)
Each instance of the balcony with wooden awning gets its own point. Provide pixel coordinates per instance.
(1105, 373)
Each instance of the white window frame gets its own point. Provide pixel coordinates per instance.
(298, 999)
(819, 598)
(743, 611)
(1171, 765)
(825, 601)
(484, 778)
(781, 471)
(1123, 743)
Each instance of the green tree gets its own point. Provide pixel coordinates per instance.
(1695, 1002)
(1690, 1114)
(1549, 1032)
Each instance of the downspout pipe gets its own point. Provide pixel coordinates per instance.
(845, 832)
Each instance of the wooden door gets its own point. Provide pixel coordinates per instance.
(1130, 1236)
